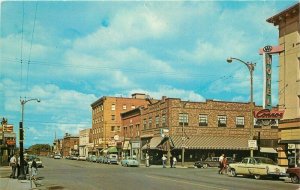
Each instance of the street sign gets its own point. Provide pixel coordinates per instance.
(252, 143)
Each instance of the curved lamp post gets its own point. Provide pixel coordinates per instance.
(21, 131)
(250, 67)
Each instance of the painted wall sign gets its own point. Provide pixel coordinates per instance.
(268, 114)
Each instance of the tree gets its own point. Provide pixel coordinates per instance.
(37, 148)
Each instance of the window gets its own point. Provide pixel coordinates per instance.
(137, 129)
(112, 128)
(113, 107)
(124, 107)
(113, 117)
(145, 124)
(133, 107)
(202, 120)
(183, 119)
(118, 128)
(222, 121)
(240, 121)
(131, 130)
(163, 120)
(150, 122)
(157, 121)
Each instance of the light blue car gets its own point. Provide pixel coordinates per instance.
(130, 162)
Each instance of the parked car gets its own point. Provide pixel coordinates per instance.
(57, 156)
(294, 174)
(81, 158)
(100, 159)
(211, 162)
(257, 167)
(112, 159)
(93, 158)
(130, 162)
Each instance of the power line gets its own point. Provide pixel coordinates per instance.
(29, 57)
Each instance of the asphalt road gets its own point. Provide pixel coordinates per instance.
(82, 175)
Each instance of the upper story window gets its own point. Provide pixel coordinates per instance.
(113, 128)
(240, 121)
(222, 120)
(183, 119)
(113, 107)
(132, 106)
(145, 124)
(150, 122)
(113, 117)
(163, 120)
(203, 120)
(137, 129)
(157, 121)
(124, 107)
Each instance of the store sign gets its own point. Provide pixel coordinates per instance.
(267, 52)
(10, 142)
(252, 143)
(268, 114)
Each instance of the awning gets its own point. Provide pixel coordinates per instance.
(268, 150)
(112, 150)
(154, 142)
(289, 141)
(209, 142)
(126, 145)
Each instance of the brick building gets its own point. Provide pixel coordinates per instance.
(288, 25)
(70, 145)
(203, 128)
(106, 118)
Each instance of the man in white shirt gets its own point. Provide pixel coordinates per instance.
(221, 163)
(13, 164)
(164, 159)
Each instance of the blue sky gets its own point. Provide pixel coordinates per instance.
(70, 53)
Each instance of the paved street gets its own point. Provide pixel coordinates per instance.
(77, 175)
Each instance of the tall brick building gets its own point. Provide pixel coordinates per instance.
(70, 145)
(106, 118)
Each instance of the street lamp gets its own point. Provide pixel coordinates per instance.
(22, 173)
(250, 67)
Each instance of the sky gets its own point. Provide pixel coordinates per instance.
(69, 54)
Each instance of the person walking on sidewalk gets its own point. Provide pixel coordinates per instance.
(221, 163)
(13, 164)
(164, 159)
(147, 160)
(33, 170)
(174, 161)
(224, 169)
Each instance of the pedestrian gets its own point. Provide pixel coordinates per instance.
(25, 166)
(174, 161)
(147, 160)
(13, 164)
(221, 163)
(171, 161)
(18, 166)
(164, 159)
(33, 169)
(224, 169)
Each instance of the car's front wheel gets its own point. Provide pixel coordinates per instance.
(233, 172)
(295, 179)
(257, 176)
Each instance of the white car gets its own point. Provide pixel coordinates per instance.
(257, 167)
(38, 161)
(57, 156)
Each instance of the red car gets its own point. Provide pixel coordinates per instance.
(294, 174)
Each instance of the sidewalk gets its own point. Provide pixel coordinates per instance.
(7, 183)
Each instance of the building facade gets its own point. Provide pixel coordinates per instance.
(197, 130)
(106, 118)
(7, 141)
(70, 145)
(85, 142)
(288, 25)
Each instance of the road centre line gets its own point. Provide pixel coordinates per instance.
(186, 182)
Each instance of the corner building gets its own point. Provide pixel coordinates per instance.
(288, 25)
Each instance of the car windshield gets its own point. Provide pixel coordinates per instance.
(264, 161)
